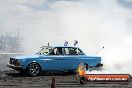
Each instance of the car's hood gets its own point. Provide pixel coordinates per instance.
(28, 56)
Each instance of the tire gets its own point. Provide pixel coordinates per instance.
(33, 69)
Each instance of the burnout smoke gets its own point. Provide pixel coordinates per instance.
(93, 23)
(100, 23)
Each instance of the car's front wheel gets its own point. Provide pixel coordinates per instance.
(33, 69)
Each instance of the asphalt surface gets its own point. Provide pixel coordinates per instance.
(13, 79)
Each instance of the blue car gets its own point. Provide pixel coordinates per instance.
(53, 58)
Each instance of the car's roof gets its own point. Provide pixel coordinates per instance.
(59, 46)
(65, 46)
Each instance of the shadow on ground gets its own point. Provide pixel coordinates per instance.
(14, 73)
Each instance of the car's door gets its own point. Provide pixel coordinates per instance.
(55, 60)
(71, 57)
(66, 59)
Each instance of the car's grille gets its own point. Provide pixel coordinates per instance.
(13, 61)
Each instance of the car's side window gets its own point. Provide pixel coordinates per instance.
(56, 51)
(79, 52)
(72, 51)
(66, 51)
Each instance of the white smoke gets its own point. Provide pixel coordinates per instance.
(94, 23)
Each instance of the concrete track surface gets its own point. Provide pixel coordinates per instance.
(13, 79)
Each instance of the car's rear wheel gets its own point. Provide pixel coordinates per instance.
(83, 66)
(33, 69)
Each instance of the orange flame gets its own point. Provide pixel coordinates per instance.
(81, 70)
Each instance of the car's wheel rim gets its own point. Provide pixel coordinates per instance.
(34, 69)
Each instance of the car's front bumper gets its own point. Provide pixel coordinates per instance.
(18, 68)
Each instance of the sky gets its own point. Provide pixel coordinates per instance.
(45, 18)
(94, 23)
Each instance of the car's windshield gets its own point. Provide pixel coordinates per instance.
(45, 50)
